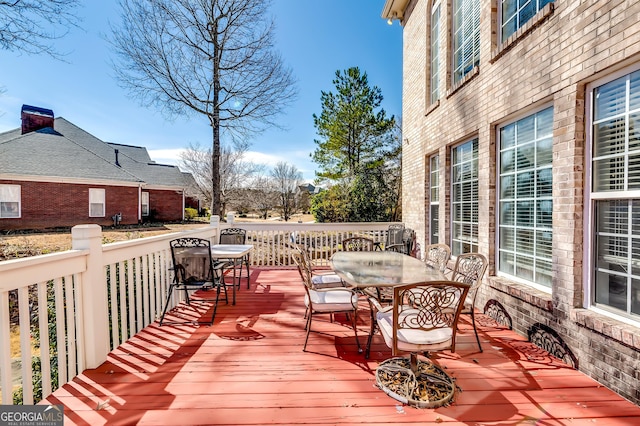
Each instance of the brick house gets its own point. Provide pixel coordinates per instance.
(519, 142)
(54, 174)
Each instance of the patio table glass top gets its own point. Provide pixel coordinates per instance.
(381, 269)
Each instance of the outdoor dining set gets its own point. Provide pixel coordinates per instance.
(415, 304)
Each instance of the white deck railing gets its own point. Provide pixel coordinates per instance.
(68, 310)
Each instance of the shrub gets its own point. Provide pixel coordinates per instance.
(190, 214)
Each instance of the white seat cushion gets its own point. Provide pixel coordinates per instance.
(332, 300)
(413, 340)
(326, 281)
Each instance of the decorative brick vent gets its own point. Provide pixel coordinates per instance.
(546, 338)
(494, 310)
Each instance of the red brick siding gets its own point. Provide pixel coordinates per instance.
(165, 206)
(52, 205)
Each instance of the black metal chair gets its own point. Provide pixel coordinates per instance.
(194, 269)
(237, 236)
(394, 240)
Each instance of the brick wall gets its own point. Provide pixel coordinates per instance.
(547, 62)
(54, 205)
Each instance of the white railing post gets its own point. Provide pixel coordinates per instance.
(214, 222)
(95, 318)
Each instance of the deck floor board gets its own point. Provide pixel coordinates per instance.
(249, 369)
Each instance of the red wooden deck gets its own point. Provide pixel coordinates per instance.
(249, 369)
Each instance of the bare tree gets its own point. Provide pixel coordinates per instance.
(287, 178)
(264, 195)
(235, 171)
(210, 57)
(31, 26)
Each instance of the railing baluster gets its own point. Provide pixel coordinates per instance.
(113, 293)
(122, 287)
(25, 345)
(43, 325)
(61, 332)
(5, 355)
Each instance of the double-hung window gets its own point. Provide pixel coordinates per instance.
(466, 37)
(464, 198)
(435, 55)
(434, 198)
(525, 198)
(9, 201)
(614, 123)
(515, 13)
(96, 202)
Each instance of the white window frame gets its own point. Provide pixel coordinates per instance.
(144, 201)
(434, 197)
(467, 13)
(473, 226)
(538, 4)
(435, 52)
(10, 193)
(516, 198)
(591, 197)
(97, 196)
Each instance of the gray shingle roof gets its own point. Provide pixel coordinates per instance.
(70, 152)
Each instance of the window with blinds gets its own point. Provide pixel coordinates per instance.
(615, 193)
(466, 37)
(96, 202)
(10, 201)
(525, 198)
(464, 198)
(515, 13)
(434, 198)
(435, 55)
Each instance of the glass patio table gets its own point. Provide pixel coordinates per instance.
(381, 269)
(362, 269)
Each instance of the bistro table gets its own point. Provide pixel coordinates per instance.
(234, 253)
(363, 269)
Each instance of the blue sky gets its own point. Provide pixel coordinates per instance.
(315, 38)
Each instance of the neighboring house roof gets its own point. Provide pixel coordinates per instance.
(70, 152)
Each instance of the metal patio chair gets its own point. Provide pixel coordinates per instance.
(194, 269)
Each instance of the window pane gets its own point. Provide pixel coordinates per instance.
(544, 214)
(507, 213)
(506, 263)
(507, 188)
(544, 151)
(507, 239)
(610, 99)
(609, 137)
(608, 174)
(544, 183)
(634, 91)
(635, 296)
(9, 209)
(634, 132)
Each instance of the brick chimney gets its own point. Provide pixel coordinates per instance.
(35, 118)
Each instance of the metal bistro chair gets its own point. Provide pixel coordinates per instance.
(326, 301)
(421, 319)
(194, 269)
(319, 278)
(357, 244)
(237, 236)
(470, 268)
(437, 256)
(394, 238)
